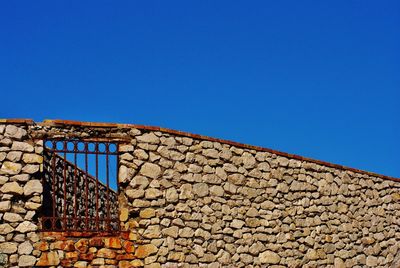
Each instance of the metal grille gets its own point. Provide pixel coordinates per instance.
(80, 186)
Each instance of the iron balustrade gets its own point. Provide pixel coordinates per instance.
(75, 200)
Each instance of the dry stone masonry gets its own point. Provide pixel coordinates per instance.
(191, 201)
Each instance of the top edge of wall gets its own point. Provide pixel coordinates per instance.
(58, 122)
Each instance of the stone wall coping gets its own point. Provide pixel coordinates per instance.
(59, 122)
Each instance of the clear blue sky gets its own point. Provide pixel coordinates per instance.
(315, 78)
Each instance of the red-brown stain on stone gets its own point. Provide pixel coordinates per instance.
(112, 242)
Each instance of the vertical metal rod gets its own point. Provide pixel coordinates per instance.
(65, 187)
(117, 182)
(97, 185)
(44, 177)
(108, 221)
(87, 188)
(75, 171)
(53, 155)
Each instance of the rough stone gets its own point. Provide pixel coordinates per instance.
(11, 188)
(144, 251)
(12, 217)
(171, 195)
(32, 158)
(171, 231)
(237, 224)
(5, 206)
(26, 226)
(15, 132)
(25, 248)
(26, 261)
(148, 138)
(32, 187)
(10, 168)
(6, 228)
(153, 193)
(48, 259)
(134, 193)
(372, 261)
(147, 213)
(150, 170)
(200, 189)
(217, 190)
(31, 168)
(106, 253)
(269, 257)
(22, 146)
(8, 247)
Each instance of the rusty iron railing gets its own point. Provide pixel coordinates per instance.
(74, 200)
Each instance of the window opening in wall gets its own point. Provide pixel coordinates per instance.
(80, 186)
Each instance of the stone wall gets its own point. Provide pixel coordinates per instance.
(86, 197)
(192, 201)
(20, 195)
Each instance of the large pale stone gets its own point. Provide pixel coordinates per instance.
(22, 146)
(186, 191)
(147, 213)
(269, 257)
(283, 161)
(152, 231)
(171, 231)
(26, 261)
(8, 247)
(217, 190)
(237, 223)
(153, 193)
(252, 212)
(171, 195)
(138, 203)
(10, 168)
(186, 232)
(140, 182)
(312, 254)
(143, 251)
(5, 228)
(15, 132)
(32, 205)
(12, 188)
(149, 138)
(248, 160)
(31, 168)
(12, 217)
(14, 156)
(48, 259)
(212, 153)
(124, 214)
(134, 193)
(339, 263)
(150, 170)
(268, 205)
(106, 253)
(33, 186)
(3, 180)
(25, 248)
(200, 189)
(237, 179)
(372, 261)
(21, 177)
(5, 206)
(123, 174)
(26, 226)
(32, 158)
